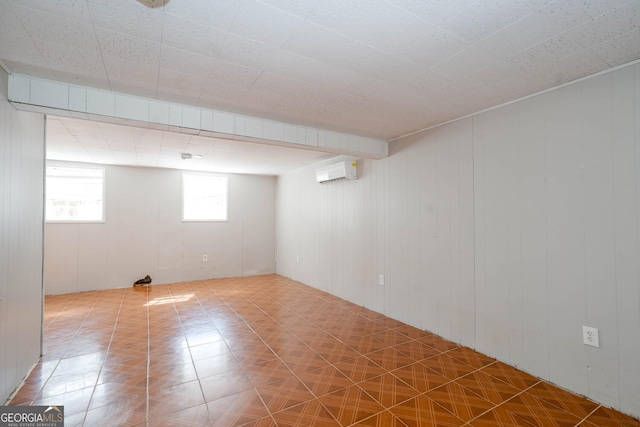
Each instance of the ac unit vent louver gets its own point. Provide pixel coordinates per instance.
(337, 172)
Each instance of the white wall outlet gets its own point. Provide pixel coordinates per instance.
(298, 259)
(590, 336)
(205, 257)
(381, 280)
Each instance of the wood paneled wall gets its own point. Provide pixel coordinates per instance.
(144, 234)
(21, 234)
(409, 218)
(505, 231)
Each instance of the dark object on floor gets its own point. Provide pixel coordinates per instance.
(143, 282)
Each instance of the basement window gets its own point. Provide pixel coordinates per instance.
(74, 194)
(204, 197)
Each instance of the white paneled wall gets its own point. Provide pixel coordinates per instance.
(21, 231)
(408, 217)
(143, 234)
(506, 232)
(556, 197)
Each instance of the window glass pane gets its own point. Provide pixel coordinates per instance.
(74, 194)
(204, 197)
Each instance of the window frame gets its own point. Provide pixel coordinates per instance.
(102, 169)
(226, 194)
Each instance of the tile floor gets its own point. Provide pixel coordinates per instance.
(266, 351)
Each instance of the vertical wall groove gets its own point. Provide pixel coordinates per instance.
(21, 219)
(544, 223)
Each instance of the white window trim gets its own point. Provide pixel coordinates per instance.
(104, 193)
(226, 216)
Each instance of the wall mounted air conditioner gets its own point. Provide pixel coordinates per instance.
(337, 171)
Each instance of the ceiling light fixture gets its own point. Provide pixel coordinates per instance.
(154, 4)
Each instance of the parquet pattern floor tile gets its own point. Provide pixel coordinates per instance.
(267, 351)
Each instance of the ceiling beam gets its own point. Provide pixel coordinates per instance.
(62, 99)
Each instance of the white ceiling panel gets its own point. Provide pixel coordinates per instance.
(249, 23)
(527, 32)
(25, 56)
(128, 47)
(612, 24)
(569, 68)
(349, 17)
(485, 17)
(423, 84)
(182, 33)
(251, 53)
(98, 80)
(544, 53)
(376, 68)
(181, 81)
(536, 4)
(266, 103)
(341, 51)
(436, 12)
(67, 58)
(291, 65)
(128, 17)
(394, 31)
(464, 63)
(175, 59)
(234, 74)
(300, 8)
(384, 67)
(121, 69)
(566, 14)
(126, 145)
(325, 45)
(499, 91)
(220, 90)
(619, 50)
(283, 85)
(217, 14)
(433, 48)
(78, 33)
(72, 9)
(10, 25)
(499, 71)
(367, 87)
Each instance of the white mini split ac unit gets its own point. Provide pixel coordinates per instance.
(337, 171)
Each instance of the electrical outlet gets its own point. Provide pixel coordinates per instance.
(590, 336)
(381, 280)
(205, 258)
(298, 259)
